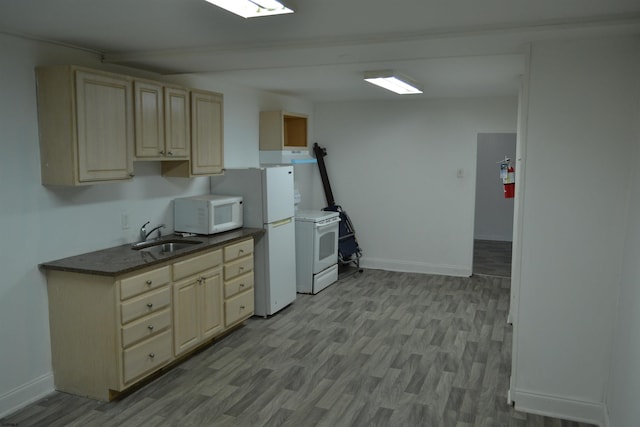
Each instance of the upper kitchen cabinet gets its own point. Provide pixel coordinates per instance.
(281, 130)
(86, 127)
(207, 138)
(162, 121)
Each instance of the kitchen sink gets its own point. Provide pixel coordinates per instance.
(165, 246)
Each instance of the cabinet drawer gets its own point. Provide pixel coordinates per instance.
(238, 250)
(193, 265)
(146, 356)
(135, 285)
(238, 308)
(145, 327)
(238, 267)
(239, 284)
(145, 304)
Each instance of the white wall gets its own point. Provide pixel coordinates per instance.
(582, 118)
(41, 224)
(494, 213)
(624, 384)
(393, 167)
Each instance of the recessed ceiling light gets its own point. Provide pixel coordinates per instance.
(395, 82)
(252, 9)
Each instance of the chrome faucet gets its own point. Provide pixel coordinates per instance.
(144, 234)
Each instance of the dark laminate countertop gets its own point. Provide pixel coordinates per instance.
(123, 259)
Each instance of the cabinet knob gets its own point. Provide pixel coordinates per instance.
(132, 175)
(241, 268)
(150, 327)
(149, 282)
(241, 251)
(242, 285)
(149, 305)
(152, 355)
(169, 153)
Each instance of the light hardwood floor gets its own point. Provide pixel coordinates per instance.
(375, 349)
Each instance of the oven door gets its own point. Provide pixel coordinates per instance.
(325, 242)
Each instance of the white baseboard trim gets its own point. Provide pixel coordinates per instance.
(25, 394)
(415, 267)
(559, 407)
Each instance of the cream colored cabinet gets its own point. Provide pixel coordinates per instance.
(108, 333)
(162, 121)
(197, 300)
(207, 138)
(85, 120)
(281, 130)
(177, 122)
(238, 282)
(145, 333)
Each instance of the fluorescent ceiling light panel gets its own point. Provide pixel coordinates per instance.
(393, 81)
(251, 9)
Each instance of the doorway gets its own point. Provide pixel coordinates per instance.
(493, 222)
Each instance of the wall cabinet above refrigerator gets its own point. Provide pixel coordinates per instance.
(281, 130)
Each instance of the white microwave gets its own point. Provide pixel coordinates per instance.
(208, 214)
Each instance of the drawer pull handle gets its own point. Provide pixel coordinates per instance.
(242, 285)
(152, 355)
(150, 327)
(241, 268)
(241, 251)
(149, 305)
(149, 282)
(242, 307)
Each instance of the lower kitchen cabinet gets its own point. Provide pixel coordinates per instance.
(147, 356)
(109, 333)
(238, 282)
(197, 309)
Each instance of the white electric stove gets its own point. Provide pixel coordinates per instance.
(316, 250)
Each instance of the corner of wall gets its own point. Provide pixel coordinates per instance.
(26, 394)
(559, 407)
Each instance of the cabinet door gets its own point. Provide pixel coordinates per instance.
(149, 119)
(211, 303)
(104, 126)
(177, 123)
(206, 133)
(185, 315)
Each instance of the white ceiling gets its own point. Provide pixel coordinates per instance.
(453, 47)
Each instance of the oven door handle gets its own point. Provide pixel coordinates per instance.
(328, 223)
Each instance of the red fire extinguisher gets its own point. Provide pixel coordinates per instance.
(509, 183)
(508, 177)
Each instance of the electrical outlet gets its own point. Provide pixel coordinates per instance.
(124, 220)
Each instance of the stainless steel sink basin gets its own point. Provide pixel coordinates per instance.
(165, 246)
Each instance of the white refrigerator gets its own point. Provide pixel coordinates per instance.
(268, 202)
